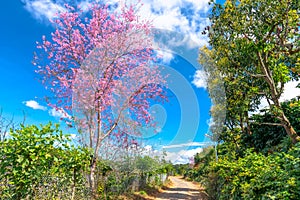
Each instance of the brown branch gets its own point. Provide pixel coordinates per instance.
(121, 110)
(256, 75)
(270, 32)
(268, 78)
(291, 52)
(266, 123)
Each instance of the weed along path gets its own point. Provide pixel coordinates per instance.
(182, 189)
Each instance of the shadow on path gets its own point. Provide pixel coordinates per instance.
(182, 190)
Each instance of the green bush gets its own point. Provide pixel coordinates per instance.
(256, 176)
(40, 163)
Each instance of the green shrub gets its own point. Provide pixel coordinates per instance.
(40, 163)
(256, 176)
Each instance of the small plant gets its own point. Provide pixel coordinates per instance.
(142, 192)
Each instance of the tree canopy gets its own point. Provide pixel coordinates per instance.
(100, 69)
(256, 49)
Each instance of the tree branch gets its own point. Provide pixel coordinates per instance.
(267, 123)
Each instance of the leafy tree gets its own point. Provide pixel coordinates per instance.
(254, 52)
(181, 169)
(256, 45)
(215, 85)
(231, 102)
(145, 165)
(265, 172)
(292, 110)
(99, 69)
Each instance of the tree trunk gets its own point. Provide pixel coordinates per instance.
(95, 156)
(286, 122)
(289, 129)
(248, 124)
(92, 181)
(275, 98)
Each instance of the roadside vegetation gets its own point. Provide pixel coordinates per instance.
(254, 53)
(263, 165)
(42, 163)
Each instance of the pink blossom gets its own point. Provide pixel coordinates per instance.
(100, 72)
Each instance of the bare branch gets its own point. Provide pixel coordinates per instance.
(266, 123)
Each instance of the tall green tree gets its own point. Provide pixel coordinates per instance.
(256, 44)
(233, 95)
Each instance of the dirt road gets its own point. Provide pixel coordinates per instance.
(182, 189)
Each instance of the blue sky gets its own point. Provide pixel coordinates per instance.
(184, 119)
(18, 80)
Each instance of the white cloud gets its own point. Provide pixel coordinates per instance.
(189, 144)
(183, 156)
(210, 122)
(263, 105)
(84, 5)
(42, 9)
(60, 113)
(200, 79)
(290, 91)
(165, 56)
(34, 105)
(201, 5)
(73, 136)
(177, 157)
(188, 17)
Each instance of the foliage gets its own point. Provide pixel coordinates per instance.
(255, 48)
(269, 125)
(199, 171)
(142, 192)
(41, 163)
(99, 66)
(99, 69)
(134, 173)
(292, 109)
(146, 164)
(151, 170)
(262, 165)
(254, 52)
(256, 176)
(181, 169)
(202, 161)
(252, 176)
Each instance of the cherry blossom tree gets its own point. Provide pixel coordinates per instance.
(100, 66)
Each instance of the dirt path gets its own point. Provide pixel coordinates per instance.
(182, 189)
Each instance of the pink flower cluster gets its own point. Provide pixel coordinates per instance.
(100, 69)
